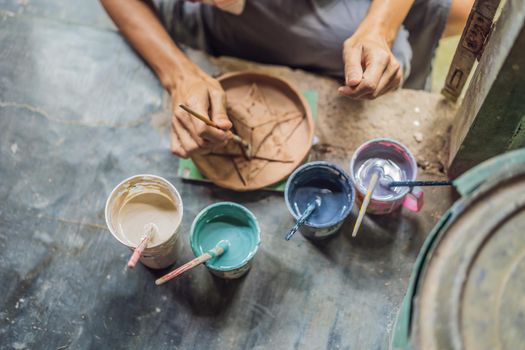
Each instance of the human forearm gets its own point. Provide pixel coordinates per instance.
(186, 82)
(385, 18)
(139, 24)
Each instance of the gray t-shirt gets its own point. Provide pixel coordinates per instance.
(306, 34)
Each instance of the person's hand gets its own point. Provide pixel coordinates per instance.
(205, 95)
(371, 69)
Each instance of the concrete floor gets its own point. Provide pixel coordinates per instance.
(79, 112)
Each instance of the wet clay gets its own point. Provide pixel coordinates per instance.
(145, 208)
(274, 118)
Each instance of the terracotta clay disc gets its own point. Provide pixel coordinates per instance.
(274, 118)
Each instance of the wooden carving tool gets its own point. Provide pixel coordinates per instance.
(245, 146)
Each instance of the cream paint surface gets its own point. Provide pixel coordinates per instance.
(147, 208)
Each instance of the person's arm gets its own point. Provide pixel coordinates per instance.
(184, 80)
(370, 67)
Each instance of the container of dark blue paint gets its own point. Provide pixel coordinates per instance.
(331, 186)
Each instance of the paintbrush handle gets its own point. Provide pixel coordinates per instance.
(190, 265)
(180, 270)
(309, 210)
(371, 186)
(138, 251)
(419, 183)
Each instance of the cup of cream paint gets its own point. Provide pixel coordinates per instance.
(234, 223)
(395, 163)
(328, 182)
(139, 200)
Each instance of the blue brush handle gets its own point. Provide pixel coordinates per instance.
(419, 183)
(309, 210)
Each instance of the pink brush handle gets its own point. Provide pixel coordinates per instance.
(138, 252)
(180, 270)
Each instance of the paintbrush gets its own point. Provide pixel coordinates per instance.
(371, 186)
(245, 146)
(309, 210)
(218, 250)
(418, 183)
(149, 231)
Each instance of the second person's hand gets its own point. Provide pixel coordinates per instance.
(371, 69)
(205, 95)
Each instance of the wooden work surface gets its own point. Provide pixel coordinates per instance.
(79, 112)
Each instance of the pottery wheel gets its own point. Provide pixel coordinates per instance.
(274, 118)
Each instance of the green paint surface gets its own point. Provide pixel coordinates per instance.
(188, 171)
(226, 221)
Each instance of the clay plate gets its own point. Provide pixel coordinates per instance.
(275, 118)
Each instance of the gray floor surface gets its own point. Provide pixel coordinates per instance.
(79, 112)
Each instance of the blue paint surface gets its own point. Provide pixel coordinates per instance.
(324, 181)
(333, 203)
(226, 221)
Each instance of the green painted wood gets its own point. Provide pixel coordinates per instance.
(473, 178)
(490, 119)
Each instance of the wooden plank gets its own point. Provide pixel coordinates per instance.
(470, 46)
(490, 120)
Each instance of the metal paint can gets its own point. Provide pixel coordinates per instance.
(322, 178)
(234, 223)
(402, 159)
(162, 254)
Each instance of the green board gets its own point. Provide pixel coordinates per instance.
(188, 170)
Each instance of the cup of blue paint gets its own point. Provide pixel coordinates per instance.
(328, 186)
(234, 223)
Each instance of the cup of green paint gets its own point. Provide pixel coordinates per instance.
(234, 223)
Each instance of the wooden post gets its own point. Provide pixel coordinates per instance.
(470, 46)
(491, 119)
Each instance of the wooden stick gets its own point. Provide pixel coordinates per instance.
(199, 116)
(231, 155)
(149, 231)
(371, 186)
(246, 147)
(218, 250)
